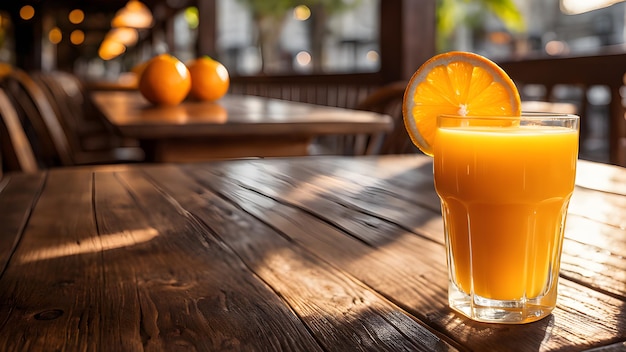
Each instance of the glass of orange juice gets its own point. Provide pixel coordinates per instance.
(505, 185)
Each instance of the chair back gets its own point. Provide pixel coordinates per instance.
(67, 106)
(15, 147)
(50, 141)
(85, 126)
(387, 100)
(67, 95)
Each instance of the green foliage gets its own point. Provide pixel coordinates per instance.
(331, 6)
(451, 13)
(508, 13)
(272, 8)
(277, 8)
(192, 16)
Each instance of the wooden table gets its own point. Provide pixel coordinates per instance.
(235, 126)
(295, 254)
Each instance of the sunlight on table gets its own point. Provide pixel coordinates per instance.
(92, 245)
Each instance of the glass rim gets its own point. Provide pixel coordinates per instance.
(525, 115)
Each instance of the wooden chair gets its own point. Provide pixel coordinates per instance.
(15, 147)
(386, 100)
(45, 134)
(55, 144)
(72, 104)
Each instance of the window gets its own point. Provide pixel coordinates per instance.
(260, 36)
(551, 27)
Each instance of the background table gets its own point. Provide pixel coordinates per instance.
(313, 254)
(234, 126)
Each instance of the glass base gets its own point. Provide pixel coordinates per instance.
(498, 311)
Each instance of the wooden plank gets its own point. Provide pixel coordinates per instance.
(360, 251)
(18, 194)
(411, 174)
(360, 189)
(50, 296)
(594, 267)
(182, 287)
(413, 289)
(601, 177)
(616, 347)
(120, 244)
(607, 208)
(341, 313)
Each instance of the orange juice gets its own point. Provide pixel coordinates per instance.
(504, 193)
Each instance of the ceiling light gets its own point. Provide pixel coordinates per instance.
(77, 37)
(135, 15)
(76, 16)
(27, 12)
(109, 49)
(55, 35)
(123, 35)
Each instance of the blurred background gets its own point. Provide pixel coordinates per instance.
(95, 40)
(291, 49)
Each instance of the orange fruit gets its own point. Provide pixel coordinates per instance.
(455, 83)
(209, 78)
(165, 80)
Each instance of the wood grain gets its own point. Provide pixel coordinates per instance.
(316, 253)
(409, 258)
(16, 202)
(47, 288)
(325, 299)
(194, 292)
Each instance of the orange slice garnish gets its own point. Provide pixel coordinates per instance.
(455, 83)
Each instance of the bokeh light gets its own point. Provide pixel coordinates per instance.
(77, 37)
(27, 12)
(372, 56)
(303, 58)
(55, 36)
(301, 12)
(76, 16)
(192, 16)
(556, 47)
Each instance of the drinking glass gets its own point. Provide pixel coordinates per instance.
(505, 185)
